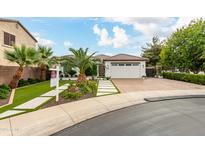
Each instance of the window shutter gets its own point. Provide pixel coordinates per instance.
(6, 38)
(12, 40)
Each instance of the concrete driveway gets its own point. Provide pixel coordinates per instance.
(173, 117)
(130, 85)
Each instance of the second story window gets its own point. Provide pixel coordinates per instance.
(9, 39)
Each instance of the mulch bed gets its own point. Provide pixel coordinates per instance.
(5, 101)
(62, 100)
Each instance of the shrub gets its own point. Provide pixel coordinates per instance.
(4, 86)
(72, 95)
(193, 78)
(3, 96)
(93, 86)
(22, 83)
(84, 88)
(33, 81)
(72, 88)
(4, 91)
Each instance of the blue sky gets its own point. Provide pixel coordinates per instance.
(102, 35)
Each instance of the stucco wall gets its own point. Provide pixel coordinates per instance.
(22, 37)
(7, 73)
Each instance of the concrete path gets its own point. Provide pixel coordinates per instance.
(51, 120)
(9, 113)
(32, 104)
(106, 87)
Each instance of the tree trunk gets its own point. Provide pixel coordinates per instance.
(81, 78)
(43, 73)
(14, 82)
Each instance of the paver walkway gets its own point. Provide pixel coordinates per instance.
(32, 104)
(106, 87)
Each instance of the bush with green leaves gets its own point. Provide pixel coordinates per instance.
(33, 81)
(5, 86)
(29, 81)
(84, 87)
(4, 91)
(93, 86)
(23, 82)
(192, 78)
(72, 95)
(3, 96)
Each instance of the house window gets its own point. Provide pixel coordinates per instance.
(135, 64)
(128, 64)
(114, 64)
(9, 39)
(121, 64)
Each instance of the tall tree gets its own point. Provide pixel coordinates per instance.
(82, 61)
(45, 60)
(23, 56)
(152, 51)
(185, 48)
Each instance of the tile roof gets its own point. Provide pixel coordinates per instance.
(102, 57)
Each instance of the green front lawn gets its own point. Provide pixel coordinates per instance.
(27, 93)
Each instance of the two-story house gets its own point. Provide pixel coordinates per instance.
(13, 32)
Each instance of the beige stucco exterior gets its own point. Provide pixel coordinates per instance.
(22, 37)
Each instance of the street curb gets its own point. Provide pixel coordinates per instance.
(51, 120)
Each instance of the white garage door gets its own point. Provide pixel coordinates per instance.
(125, 70)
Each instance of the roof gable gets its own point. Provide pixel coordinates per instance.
(125, 57)
(102, 56)
(16, 21)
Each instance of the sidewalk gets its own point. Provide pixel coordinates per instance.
(51, 120)
(106, 87)
(32, 104)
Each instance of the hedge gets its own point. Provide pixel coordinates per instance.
(29, 81)
(192, 78)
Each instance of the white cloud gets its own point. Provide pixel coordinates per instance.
(67, 44)
(148, 26)
(182, 21)
(119, 40)
(153, 26)
(43, 41)
(103, 34)
(120, 37)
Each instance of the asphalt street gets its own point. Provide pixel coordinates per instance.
(170, 117)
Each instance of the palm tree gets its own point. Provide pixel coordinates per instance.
(45, 54)
(23, 56)
(82, 61)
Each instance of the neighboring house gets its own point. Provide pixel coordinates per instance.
(122, 66)
(12, 32)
